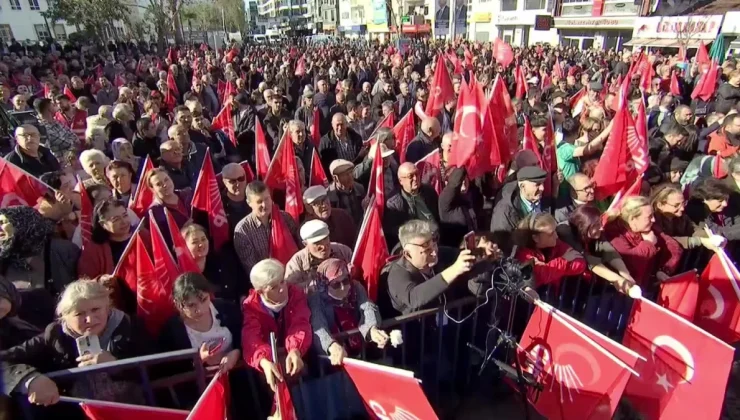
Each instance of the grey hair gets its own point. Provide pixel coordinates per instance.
(94, 154)
(79, 290)
(735, 165)
(383, 134)
(339, 115)
(296, 124)
(266, 273)
(120, 110)
(415, 229)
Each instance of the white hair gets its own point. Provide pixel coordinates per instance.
(77, 291)
(120, 110)
(296, 124)
(416, 229)
(266, 273)
(93, 154)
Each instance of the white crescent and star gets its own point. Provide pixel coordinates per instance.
(719, 303)
(678, 348)
(468, 109)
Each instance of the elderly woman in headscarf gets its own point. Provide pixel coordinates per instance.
(339, 305)
(123, 150)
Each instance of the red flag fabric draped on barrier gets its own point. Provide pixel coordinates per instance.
(144, 196)
(185, 260)
(282, 244)
(682, 365)
(718, 304)
(318, 176)
(404, 132)
(213, 404)
(371, 250)
(18, 187)
(580, 378)
(262, 154)
(441, 89)
(207, 198)
(283, 175)
(389, 393)
(679, 294)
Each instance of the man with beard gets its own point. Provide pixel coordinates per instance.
(725, 142)
(71, 117)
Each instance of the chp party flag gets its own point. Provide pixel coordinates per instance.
(207, 198)
(376, 186)
(225, 122)
(718, 307)
(126, 267)
(683, 365)
(185, 260)
(152, 297)
(404, 132)
(318, 176)
(579, 377)
(680, 293)
(18, 187)
(283, 175)
(213, 403)
(144, 196)
(371, 250)
(430, 171)
(282, 244)
(106, 410)
(508, 127)
(389, 393)
(262, 155)
(441, 89)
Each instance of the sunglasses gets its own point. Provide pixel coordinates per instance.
(235, 180)
(336, 285)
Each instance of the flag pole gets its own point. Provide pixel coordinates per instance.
(101, 403)
(128, 247)
(273, 351)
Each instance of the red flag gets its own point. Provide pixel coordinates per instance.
(680, 293)
(440, 90)
(171, 85)
(213, 403)
(229, 90)
(576, 102)
(300, 67)
(185, 259)
(86, 215)
(495, 130)
(675, 87)
(404, 132)
(225, 122)
(503, 53)
(376, 186)
(153, 294)
(207, 198)
(119, 80)
(315, 128)
(557, 70)
(284, 409)
(521, 84)
(616, 167)
(283, 175)
(144, 196)
(282, 244)
(645, 69)
(683, 365)
(406, 401)
(126, 267)
(627, 191)
(580, 378)
(388, 121)
(707, 83)
(18, 187)
(247, 170)
(371, 250)
(220, 89)
(530, 141)
(702, 57)
(172, 55)
(262, 155)
(104, 410)
(637, 140)
(469, 128)
(719, 299)
(429, 168)
(68, 93)
(468, 58)
(508, 126)
(318, 177)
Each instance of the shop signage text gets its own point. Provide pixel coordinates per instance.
(671, 27)
(599, 22)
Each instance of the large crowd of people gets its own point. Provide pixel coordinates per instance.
(92, 117)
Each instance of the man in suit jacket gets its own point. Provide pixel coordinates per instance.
(443, 11)
(414, 201)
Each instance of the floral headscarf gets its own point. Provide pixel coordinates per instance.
(329, 271)
(29, 239)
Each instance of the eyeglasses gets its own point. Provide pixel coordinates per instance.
(236, 180)
(427, 246)
(591, 187)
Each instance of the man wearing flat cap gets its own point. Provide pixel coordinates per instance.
(301, 269)
(344, 192)
(519, 199)
(318, 207)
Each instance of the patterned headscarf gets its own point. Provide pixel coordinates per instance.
(329, 271)
(116, 147)
(31, 231)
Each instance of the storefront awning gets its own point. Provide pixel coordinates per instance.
(663, 43)
(416, 29)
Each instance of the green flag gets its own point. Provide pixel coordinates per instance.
(717, 53)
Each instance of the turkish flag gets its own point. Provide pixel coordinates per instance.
(681, 365)
(68, 93)
(207, 198)
(468, 126)
(557, 70)
(282, 244)
(707, 84)
(18, 187)
(440, 90)
(262, 155)
(580, 378)
(155, 280)
(576, 102)
(371, 250)
(104, 410)
(521, 84)
(615, 168)
(702, 57)
(224, 121)
(430, 171)
(718, 307)
(675, 87)
(504, 117)
(213, 403)
(283, 175)
(389, 393)
(404, 132)
(300, 67)
(144, 196)
(86, 215)
(503, 53)
(185, 259)
(680, 293)
(315, 129)
(376, 186)
(126, 267)
(318, 176)
(624, 354)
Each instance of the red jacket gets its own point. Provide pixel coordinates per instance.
(555, 267)
(292, 326)
(642, 258)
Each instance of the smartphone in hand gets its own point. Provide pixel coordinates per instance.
(88, 344)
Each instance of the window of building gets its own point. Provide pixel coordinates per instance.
(34, 4)
(15, 4)
(535, 4)
(42, 32)
(6, 34)
(508, 5)
(60, 33)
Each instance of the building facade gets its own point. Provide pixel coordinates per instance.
(327, 19)
(603, 24)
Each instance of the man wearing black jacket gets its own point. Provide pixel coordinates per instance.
(414, 201)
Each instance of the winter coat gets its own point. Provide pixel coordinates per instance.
(456, 213)
(555, 267)
(727, 97)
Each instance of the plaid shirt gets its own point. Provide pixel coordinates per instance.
(252, 239)
(59, 139)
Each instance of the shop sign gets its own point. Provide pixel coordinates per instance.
(576, 10)
(482, 17)
(595, 22)
(621, 8)
(515, 18)
(731, 25)
(674, 27)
